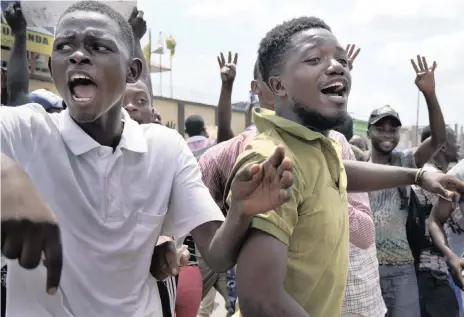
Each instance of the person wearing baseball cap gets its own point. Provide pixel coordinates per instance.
(397, 254)
(382, 113)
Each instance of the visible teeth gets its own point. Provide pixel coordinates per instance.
(338, 84)
(80, 99)
(79, 76)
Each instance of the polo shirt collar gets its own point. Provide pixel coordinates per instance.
(265, 119)
(79, 142)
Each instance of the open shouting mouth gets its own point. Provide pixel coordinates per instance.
(82, 87)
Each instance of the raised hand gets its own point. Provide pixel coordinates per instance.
(228, 69)
(138, 24)
(352, 53)
(170, 125)
(29, 227)
(263, 187)
(425, 76)
(15, 19)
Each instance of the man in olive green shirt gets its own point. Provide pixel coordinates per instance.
(294, 262)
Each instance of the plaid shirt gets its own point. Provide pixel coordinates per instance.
(363, 295)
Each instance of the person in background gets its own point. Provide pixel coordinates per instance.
(444, 212)
(216, 165)
(436, 294)
(18, 65)
(397, 272)
(198, 138)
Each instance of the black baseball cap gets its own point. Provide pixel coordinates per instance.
(383, 112)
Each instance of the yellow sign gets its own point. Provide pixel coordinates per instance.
(35, 42)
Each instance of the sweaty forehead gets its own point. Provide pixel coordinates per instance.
(83, 21)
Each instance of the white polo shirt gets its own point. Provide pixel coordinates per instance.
(111, 208)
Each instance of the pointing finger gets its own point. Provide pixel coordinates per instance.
(53, 257)
(229, 59)
(434, 66)
(235, 58)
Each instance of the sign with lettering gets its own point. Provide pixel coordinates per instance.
(36, 41)
(47, 13)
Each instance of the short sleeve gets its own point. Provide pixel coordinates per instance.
(190, 204)
(280, 222)
(20, 131)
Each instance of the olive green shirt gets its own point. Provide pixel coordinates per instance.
(313, 224)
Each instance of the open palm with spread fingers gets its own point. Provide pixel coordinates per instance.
(262, 187)
(229, 68)
(425, 76)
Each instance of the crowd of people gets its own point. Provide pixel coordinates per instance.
(108, 211)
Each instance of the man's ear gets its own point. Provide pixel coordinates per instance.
(276, 86)
(134, 71)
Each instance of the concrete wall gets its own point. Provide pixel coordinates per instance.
(178, 110)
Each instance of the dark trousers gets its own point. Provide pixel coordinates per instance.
(436, 295)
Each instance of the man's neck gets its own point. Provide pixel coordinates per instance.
(379, 157)
(106, 130)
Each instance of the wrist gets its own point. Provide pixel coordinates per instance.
(227, 85)
(238, 213)
(419, 176)
(429, 94)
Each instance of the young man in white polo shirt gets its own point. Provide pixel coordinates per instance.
(112, 185)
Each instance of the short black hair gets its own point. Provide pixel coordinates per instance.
(194, 125)
(426, 133)
(99, 7)
(276, 42)
(256, 70)
(346, 127)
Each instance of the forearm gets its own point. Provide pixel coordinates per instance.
(438, 235)
(18, 72)
(221, 251)
(276, 306)
(367, 177)
(225, 113)
(437, 122)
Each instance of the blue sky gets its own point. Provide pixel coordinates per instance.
(389, 34)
